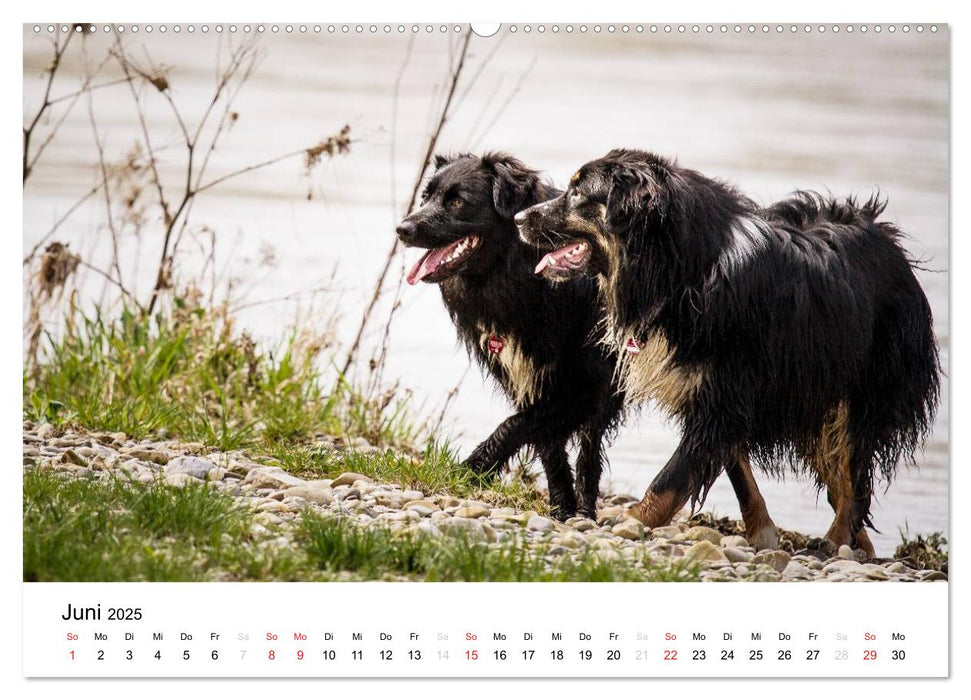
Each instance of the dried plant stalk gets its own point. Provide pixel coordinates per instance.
(426, 161)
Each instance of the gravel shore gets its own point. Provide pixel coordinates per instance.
(278, 498)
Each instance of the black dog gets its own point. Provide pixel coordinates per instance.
(797, 334)
(537, 344)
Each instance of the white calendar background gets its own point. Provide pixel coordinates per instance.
(920, 611)
(485, 630)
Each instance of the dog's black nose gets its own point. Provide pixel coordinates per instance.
(406, 229)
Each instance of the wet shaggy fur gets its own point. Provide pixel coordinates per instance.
(795, 335)
(544, 354)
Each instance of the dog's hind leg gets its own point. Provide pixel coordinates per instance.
(862, 538)
(760, 531)
(861, 471)
(863, 542)
(839, 493)
(841, 467)
(559, 478)
(669, 491)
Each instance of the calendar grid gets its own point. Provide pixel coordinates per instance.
(452, 630)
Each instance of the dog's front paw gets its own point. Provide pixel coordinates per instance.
(563, 512)
(482, 466)
(563, 505)
(588, 512)
(820, 544)
(766, 537)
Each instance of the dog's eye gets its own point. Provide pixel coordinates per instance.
(455, 203)
(576, 197)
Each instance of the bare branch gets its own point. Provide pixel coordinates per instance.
(85, 87)
(57, 224)
(156, 180)
(394, 122)
(504, 106)
(238, 58)
(228, 117)
(155, 75)
(378, 365)
(482, 66)
(449, 397)
(105, 187)
(122, 185)
(294, 296)
(244, 53)
(429, 151)
(59, 50)
(250, 168)
(107, 276)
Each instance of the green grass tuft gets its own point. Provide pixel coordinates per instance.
(187, 374)
(923, 551)
(85, 530)
(116, 530)
(436, 471)
(339, 545)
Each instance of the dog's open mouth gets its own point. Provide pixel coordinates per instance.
(437, 263)
(573, 256)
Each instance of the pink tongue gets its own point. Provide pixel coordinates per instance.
(547, 261)
(553, 259)
(428, 264)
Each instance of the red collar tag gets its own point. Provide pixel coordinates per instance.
(634, 346)
(495, 344)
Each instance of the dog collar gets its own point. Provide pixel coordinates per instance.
(495, 344)
(634, 346)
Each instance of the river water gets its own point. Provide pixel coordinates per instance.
(769, 112)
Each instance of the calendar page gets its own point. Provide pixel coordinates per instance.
(516, 350)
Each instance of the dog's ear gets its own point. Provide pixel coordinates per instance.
(638, 195)
(514, 187)
(441, 161)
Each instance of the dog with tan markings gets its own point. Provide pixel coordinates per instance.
(794, 337)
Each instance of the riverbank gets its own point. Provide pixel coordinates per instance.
(101, 506)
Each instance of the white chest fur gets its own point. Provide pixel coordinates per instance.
(523, 376)
(650, 373)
